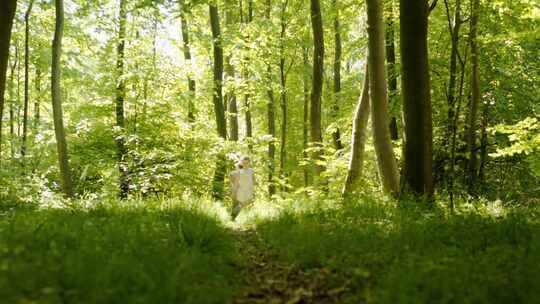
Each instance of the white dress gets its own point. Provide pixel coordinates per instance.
(246, 181)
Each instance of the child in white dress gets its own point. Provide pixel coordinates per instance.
(242, 183)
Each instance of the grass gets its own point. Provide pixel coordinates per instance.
(182, 251)
(132, 253)
(395, 255)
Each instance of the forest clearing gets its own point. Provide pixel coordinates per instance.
(260, 151)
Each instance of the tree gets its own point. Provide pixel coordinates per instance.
(336, 136)
(7, 13)
(415, 86)
(217, 98)
(379, 98)
(26, 75)
(283, 90)
(187, 56)
(61, 143)
(271, 119)
(231, 75)
(247, 105)
(391, 65)
(305, 121)
(475, 99)
(317, 83)
(119, 103)
(361, 115)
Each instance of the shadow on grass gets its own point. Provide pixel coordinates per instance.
(406, 255)
(113, 254)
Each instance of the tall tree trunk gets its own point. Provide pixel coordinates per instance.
(379, 98)
(61, 143)
(271, 109)
(305, 122)
(336, 136)
(358, 138)
(12, 101)
(219, 109)
(187, 56)
(483, 144)
(231, 75)
(37, 100)
(415, 83)
(475, 100)
(317, 84)
(7, 13)
(247, 105)
(283, 92)
(119, 102)
(26, 76)
(391, 65)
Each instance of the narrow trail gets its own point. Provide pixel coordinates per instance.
(268, 280)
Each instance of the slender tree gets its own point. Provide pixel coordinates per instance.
(61, 143)
(360, 121)
(217, 98)
(379, 98)
(475, 99)
(231, 75)
(26, 75)
(119, 102)
(184, 23)
(283, 90)
(7, 13)
(305, 121)
(336, 136)
(317, 84)
(271, 109)
(415, 84)
(391, 65)
(37, 100)
(247, 104)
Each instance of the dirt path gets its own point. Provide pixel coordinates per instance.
(268, 280)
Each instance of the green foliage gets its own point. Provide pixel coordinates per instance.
(161, 252)
(396, 255)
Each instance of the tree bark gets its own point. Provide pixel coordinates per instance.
(37, 100)
(247, 105)
(271, 109)
(475, 100)
(13, 98)
(336, 135)
(391, 66)
(61, 143)
(187, 56)
(230, 76)
(360, 121)
(219, 109)
(305, 122)
(415, 83)
(317, 83)
(7, 13)
(379, 98)
(283, 92)
(119, 103)
(26, 76)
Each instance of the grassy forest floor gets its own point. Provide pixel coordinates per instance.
(171, 251)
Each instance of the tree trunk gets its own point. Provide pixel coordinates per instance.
(283, 92)
(187, 56)
(336, 136)
(119, 102)
(317, 83)
(7, 13)
(12, 100)
(475, 100)
(379, 98)
(391, 66)
(219, 109)
(38, 98)
(61, 144)
(271, 109)
(305, 122)
(249, 125)
(415, 83)
(26, 76)
(358, 138)
(230, 76)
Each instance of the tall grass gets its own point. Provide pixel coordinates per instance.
(402, 255)
(115, 253)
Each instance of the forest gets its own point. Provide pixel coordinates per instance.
(269, 151)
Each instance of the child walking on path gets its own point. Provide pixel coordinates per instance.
(242, 183)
